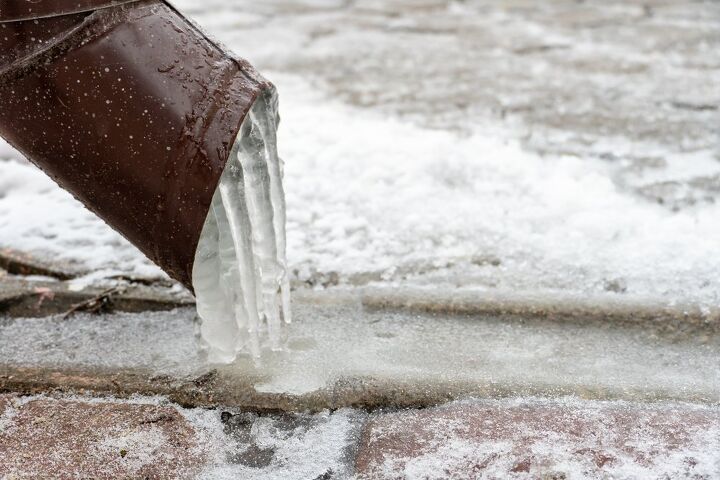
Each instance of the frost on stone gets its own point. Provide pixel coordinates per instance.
(538, 438)
(240, 273)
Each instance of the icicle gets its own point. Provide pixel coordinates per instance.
(240, 273)
(253, 157)
(268, 124)
(242, 262)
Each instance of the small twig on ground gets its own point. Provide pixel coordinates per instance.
(96, 304)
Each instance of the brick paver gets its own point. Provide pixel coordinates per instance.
(51, 438)
(538, 439)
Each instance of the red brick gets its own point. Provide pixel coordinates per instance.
(543, 439)
(48, 438)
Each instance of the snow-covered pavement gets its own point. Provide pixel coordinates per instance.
(515, 146)
(149, 437)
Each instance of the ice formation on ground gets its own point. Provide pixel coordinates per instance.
(416, 354)
(240, 273)
(278, 447)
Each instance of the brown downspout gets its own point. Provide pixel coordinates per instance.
(129, 107)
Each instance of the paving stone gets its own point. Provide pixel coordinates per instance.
(543, 440)
(677, 321)
(405, 359)
(23, 263)
(24, 298)
(61, 438)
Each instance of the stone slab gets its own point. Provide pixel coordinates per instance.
(24, 263)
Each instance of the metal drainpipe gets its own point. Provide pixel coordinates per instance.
(128, 106)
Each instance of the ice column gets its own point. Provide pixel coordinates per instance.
(240, 273)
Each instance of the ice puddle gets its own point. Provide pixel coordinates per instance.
(240, 275)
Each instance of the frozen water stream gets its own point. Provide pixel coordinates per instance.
(240, 273)
(336, 345)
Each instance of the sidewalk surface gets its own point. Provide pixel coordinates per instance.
(45, 437)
